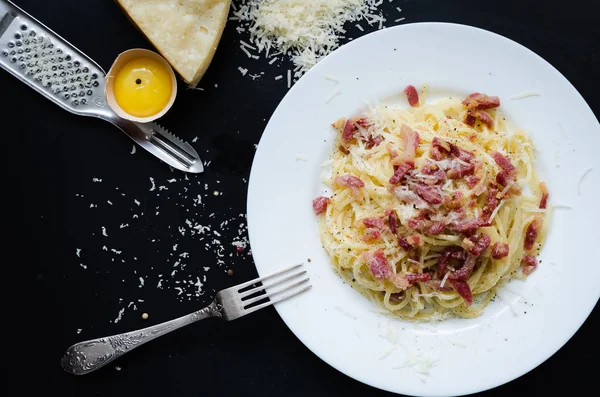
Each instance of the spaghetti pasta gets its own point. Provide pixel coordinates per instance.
(433, 207)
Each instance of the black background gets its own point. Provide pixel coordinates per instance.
(53, 156)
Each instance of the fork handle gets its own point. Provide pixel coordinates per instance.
(85, 357)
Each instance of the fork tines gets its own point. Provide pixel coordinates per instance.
(273, 288)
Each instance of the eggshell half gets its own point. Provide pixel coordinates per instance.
(123, 59)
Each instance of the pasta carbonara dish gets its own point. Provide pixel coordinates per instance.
(433, 207)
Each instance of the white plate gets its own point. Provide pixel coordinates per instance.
(336, 322)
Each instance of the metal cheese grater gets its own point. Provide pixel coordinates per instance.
(56, 69)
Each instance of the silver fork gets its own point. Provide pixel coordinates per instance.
(229, 304)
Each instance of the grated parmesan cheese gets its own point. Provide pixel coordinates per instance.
(526, 94)
(444, 279)
(496, 211)
(344, 312)
(335, 93)
(329, 77)
(581, 180)
(307, 30)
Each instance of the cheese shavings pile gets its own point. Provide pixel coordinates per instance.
(307, 30)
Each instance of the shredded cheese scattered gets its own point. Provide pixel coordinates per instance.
(335, 93)
(387, 353)
(563, 206)
(338, 308)
(307, 30)
(329, 77)
(581, 180)
(526, 94)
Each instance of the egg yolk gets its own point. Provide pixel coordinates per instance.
(142, 87)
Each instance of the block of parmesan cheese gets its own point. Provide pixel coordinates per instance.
(185, 32)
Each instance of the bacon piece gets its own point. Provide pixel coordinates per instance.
(545, 194)
(343, 149)
(480, 244)
(531, 234)
(436, 228)
(320, 204)
(460, 171)
(472, 181)
(378, 264)
(465, 271)
(410, 242)
(429, 193)
(412, 95)
(504, 163)
(502, 178)
(404, 244)
(448, 253)
(468, 226)
(453, 202)
(373, 141)
(462, 154)
(473, 115)
(481, 101)
(435, 153)
(352, 182)
(421, 222)
(500, 250)
(393, 222)
(439, 149)
(444, 146)
(434, 173)
(529, 264)
(417, 277)
(351, 127)
(400, 172)
(463, 289)
(411, 142)
(492, 200)
(485, 119)
(349, 180)
(375, 223)
(470, 119)
(418, 223)
(371, 234)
